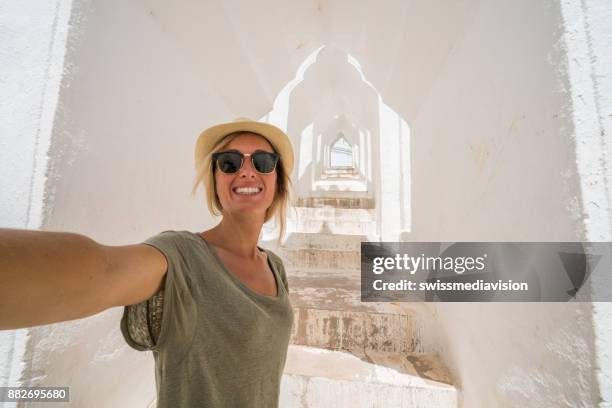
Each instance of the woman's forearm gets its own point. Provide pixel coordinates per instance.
(48, 277)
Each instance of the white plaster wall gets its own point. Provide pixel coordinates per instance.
(32, 48)
(494, 160)
(588, 43)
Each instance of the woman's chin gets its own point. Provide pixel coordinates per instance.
(248, 208)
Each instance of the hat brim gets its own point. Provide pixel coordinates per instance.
(209, 138)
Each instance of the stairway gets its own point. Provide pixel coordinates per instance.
(345, 353)
(345, 216)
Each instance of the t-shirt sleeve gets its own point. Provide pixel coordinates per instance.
(168, 317)
(141, 323)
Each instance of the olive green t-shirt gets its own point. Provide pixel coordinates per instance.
(219, 343)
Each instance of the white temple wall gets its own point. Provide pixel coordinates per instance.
(494, 160)
(587, 42)
(32, 50)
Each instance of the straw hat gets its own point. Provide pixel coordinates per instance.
(279, 140)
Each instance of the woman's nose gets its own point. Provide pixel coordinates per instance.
(247, 169)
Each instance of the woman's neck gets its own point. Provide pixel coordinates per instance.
(236, 235)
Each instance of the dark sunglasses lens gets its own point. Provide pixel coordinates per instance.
(264, 162)
(229, 162)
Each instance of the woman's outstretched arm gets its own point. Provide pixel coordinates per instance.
(48, 277)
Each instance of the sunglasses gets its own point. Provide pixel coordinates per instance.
(231, 161)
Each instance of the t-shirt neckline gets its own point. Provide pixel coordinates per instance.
(236, 280)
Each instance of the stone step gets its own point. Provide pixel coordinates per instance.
(323, 378)
(319, 258)
(356, 331)
(330, 291)
(334, 242)
(337, 202)
(335, 289)
(338, 171)
(333, 214)
(335, 227)
(341, 176)
(330, 187)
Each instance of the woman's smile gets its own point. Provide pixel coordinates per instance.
(248, 191)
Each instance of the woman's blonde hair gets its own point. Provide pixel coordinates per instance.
(205, 175)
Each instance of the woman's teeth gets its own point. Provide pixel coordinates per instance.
(247, 190)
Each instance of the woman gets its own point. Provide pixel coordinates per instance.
(212, 306)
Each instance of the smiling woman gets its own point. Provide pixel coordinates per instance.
(220, 325)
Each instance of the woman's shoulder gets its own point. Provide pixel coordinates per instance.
(176, 236)
(179, 244)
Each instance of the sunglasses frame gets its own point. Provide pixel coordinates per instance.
(215, 157)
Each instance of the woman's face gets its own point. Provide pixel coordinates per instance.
(227, 184)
